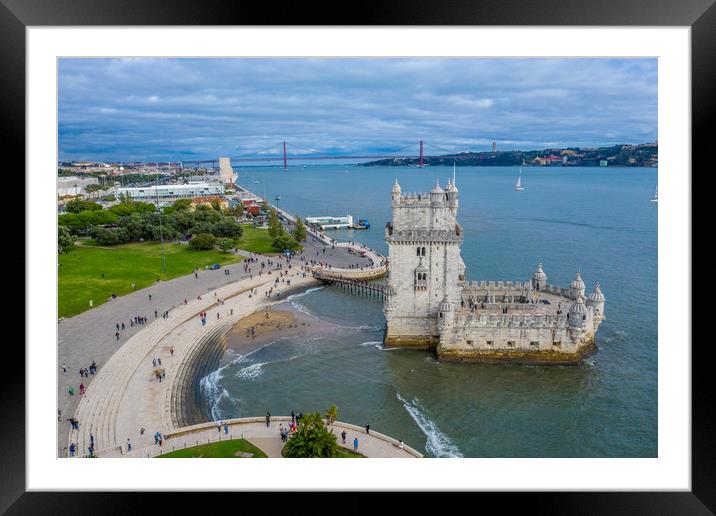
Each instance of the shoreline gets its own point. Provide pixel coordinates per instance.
(284, 321)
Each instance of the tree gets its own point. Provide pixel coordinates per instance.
(299, 231)
(311, 439)
(225, 244)
(227, 227)
(237, 210)
(274, 225)
(78, 205)
(202, 242)
(285, 243)
(180, 205)
(109, 236)
(331, 414)
(65, 240)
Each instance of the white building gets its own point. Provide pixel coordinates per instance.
(331, 222)
(171, 192)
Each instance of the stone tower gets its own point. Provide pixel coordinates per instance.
(426, 270)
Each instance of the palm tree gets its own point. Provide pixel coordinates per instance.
(311, 439)
(331, 414)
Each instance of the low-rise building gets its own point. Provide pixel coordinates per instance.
(164, 193)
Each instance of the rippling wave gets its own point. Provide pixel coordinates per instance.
(250, 372)
(438, 444)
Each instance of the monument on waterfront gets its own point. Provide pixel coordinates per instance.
(226, 172)
(429, 304)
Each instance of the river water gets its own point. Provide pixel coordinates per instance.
(597, 220)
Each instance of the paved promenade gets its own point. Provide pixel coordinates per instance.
(126, 395)
(267, 439)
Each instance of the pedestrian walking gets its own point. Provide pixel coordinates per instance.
(367, 428)
(400, 445)
(129, 445)
(171, 351)
(64, 368)
(117, 335)
(343, 436)
(355, 444)
(268, 419)
(82, 389)
(71, 391)
(159, 361)
(150, 297)
(73, 447)
(226, 428)
(122, 326)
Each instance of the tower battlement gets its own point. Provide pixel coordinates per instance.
(429, 304)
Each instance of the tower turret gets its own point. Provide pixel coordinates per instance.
(596, 300)
(437, 194)
(447, 313)
(539, 278)
(578, 313)
(395, 193)
(576, 289)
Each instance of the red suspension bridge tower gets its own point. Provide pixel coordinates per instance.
(421, 155)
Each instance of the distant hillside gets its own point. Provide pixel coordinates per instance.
(642, 155)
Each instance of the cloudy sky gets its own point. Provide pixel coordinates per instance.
(183, 109)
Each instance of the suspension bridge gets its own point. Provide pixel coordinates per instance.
(285, 152)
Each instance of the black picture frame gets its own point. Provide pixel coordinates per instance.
(700, 15)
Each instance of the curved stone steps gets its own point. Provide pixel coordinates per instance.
(98, 410)
(92, 413)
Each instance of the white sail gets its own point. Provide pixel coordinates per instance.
(518, 184)
(656, 194)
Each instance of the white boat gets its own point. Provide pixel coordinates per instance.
(518, 184)
(656, 195)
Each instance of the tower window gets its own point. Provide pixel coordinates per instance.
(423, 251)
(418, 252)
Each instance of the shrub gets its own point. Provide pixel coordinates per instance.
(202, 242)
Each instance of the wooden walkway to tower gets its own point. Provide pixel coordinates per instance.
(354, 286)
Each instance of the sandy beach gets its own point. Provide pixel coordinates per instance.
(256, 330)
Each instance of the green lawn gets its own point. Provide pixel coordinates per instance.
(344, 453)
(80, 271)
(219, 450)
(256, 240)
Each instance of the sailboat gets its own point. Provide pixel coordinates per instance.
(518, 184)
(656, 194)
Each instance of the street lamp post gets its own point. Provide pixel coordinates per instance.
(161, 231)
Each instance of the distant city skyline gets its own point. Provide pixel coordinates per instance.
(138, 109)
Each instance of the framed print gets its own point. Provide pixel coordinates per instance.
(434, 235)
